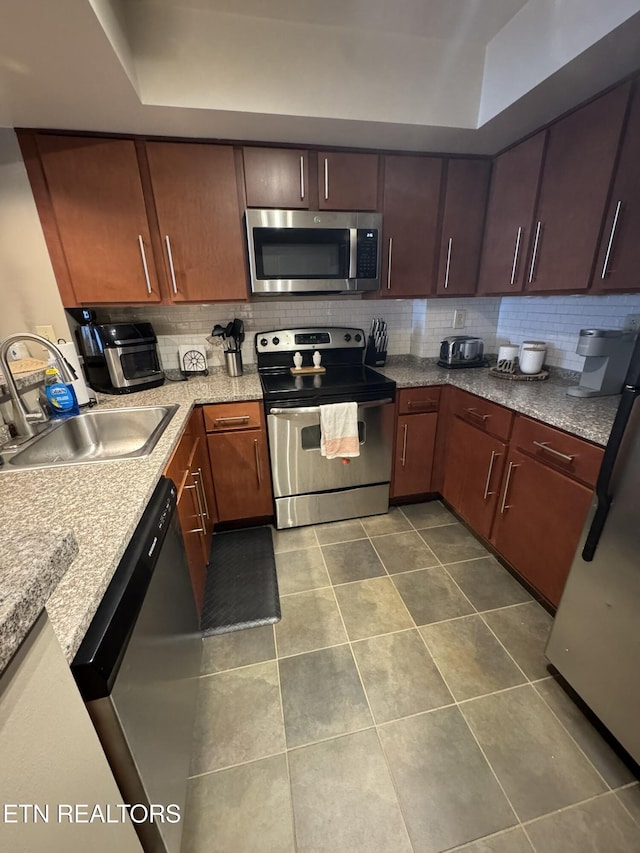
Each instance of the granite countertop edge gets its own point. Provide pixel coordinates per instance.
(102, 503)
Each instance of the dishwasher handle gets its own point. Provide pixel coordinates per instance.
(315, 410)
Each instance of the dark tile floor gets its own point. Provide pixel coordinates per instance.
(403, 703)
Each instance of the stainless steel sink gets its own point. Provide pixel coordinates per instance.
(95, 436)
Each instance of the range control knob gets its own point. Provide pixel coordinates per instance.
(358, 337)
(275, 341)
(347, 337)
(263, 342)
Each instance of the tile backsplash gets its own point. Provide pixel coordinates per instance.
(416, 326)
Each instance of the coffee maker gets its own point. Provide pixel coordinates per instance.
(607, 355)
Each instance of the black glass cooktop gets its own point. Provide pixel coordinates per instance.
(340, 383)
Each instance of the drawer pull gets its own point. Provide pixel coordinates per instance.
(504, 505)
(477, 414)
(544, 445)
(404, 444)
(239, 419)
(196, 529)
(486, 494)
(421, 404)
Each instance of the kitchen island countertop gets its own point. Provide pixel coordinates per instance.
(102, 503)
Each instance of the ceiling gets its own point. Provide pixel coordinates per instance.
(427, 75)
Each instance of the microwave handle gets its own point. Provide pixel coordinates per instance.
(353, 252)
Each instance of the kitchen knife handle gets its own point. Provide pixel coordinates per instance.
(504, 504)
(515, 256)
(535, 251)
(144, 262)
(446, 274)
(404, 444)
(494, 456)
(302, 177)
(389, 264)
(614, 225)
(171, 269)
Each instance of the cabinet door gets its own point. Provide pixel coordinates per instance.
(539, 522)
(276, 177)
(473, 473)
(618, 263)
(196, 199)
(241, 476)
(96, 196)
(347, 181)
(410, 225)
(510, 217)
(467, 184)
(576, 178)
(415, 440)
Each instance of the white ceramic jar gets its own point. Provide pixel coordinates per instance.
(532, 359)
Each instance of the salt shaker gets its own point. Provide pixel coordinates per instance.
(317, 358)
(297, 359)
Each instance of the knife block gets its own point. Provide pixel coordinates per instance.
(374, 357)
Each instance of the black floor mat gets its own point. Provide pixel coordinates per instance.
(242, 585)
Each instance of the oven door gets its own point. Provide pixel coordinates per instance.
(297, 468)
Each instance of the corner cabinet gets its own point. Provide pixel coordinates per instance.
(411, 205)
(91, 203)
(467, 185)
(239, 454)
(195, 195)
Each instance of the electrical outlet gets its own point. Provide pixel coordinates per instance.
(459, 318)
(46, 332)
(632, 322)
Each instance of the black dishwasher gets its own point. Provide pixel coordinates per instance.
(137, 671)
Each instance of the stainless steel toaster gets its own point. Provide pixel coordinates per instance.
(462, 351)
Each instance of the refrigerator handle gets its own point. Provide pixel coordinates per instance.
(629, 396)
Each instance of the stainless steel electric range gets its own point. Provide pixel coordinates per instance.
(308, 488)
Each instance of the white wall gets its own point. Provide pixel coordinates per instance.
(557, 320)
(28, 291)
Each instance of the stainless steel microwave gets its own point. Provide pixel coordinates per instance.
(302, 251)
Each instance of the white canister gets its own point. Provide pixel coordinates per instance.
(507, 356)
(531, 344)
(532, 359)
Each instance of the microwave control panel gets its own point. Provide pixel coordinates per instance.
(367, 265)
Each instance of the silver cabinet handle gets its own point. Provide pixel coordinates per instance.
(302, 177)
(198, 486)
(477, 414)
(243, 418)
(196, 529)
(446, 274)
(535, 251)
(256, 450)
(326, 179)
(389, 264)
(504, 505)
(494, 455)
(404, 444)
(171, 269)
(515, 256)
(614, 225)
(144, 262)
(204, 494)
(544, 445)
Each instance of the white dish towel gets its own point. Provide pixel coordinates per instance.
(339, 430)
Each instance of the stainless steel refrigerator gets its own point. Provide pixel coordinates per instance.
(595, 639)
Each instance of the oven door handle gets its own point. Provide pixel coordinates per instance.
(315, 410)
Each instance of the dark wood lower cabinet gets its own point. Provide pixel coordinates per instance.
(539, 521)
(473, 472)
(413, 463)
(241, 474)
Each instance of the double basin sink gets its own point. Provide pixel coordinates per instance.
(94, 436)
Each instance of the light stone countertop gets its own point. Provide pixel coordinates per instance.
(102, 503)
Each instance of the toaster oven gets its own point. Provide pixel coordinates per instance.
(462, 351)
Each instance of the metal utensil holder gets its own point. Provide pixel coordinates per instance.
(233, 362)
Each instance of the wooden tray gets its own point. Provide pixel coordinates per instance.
(519, 377)
(300, 371)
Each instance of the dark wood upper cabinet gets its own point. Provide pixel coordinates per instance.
(276, 177)
(410, 225)
(467, 184)
(347, 181)
(576, 178)
(90, 199)
(618, 261)
(196, 200)
(510, 221)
